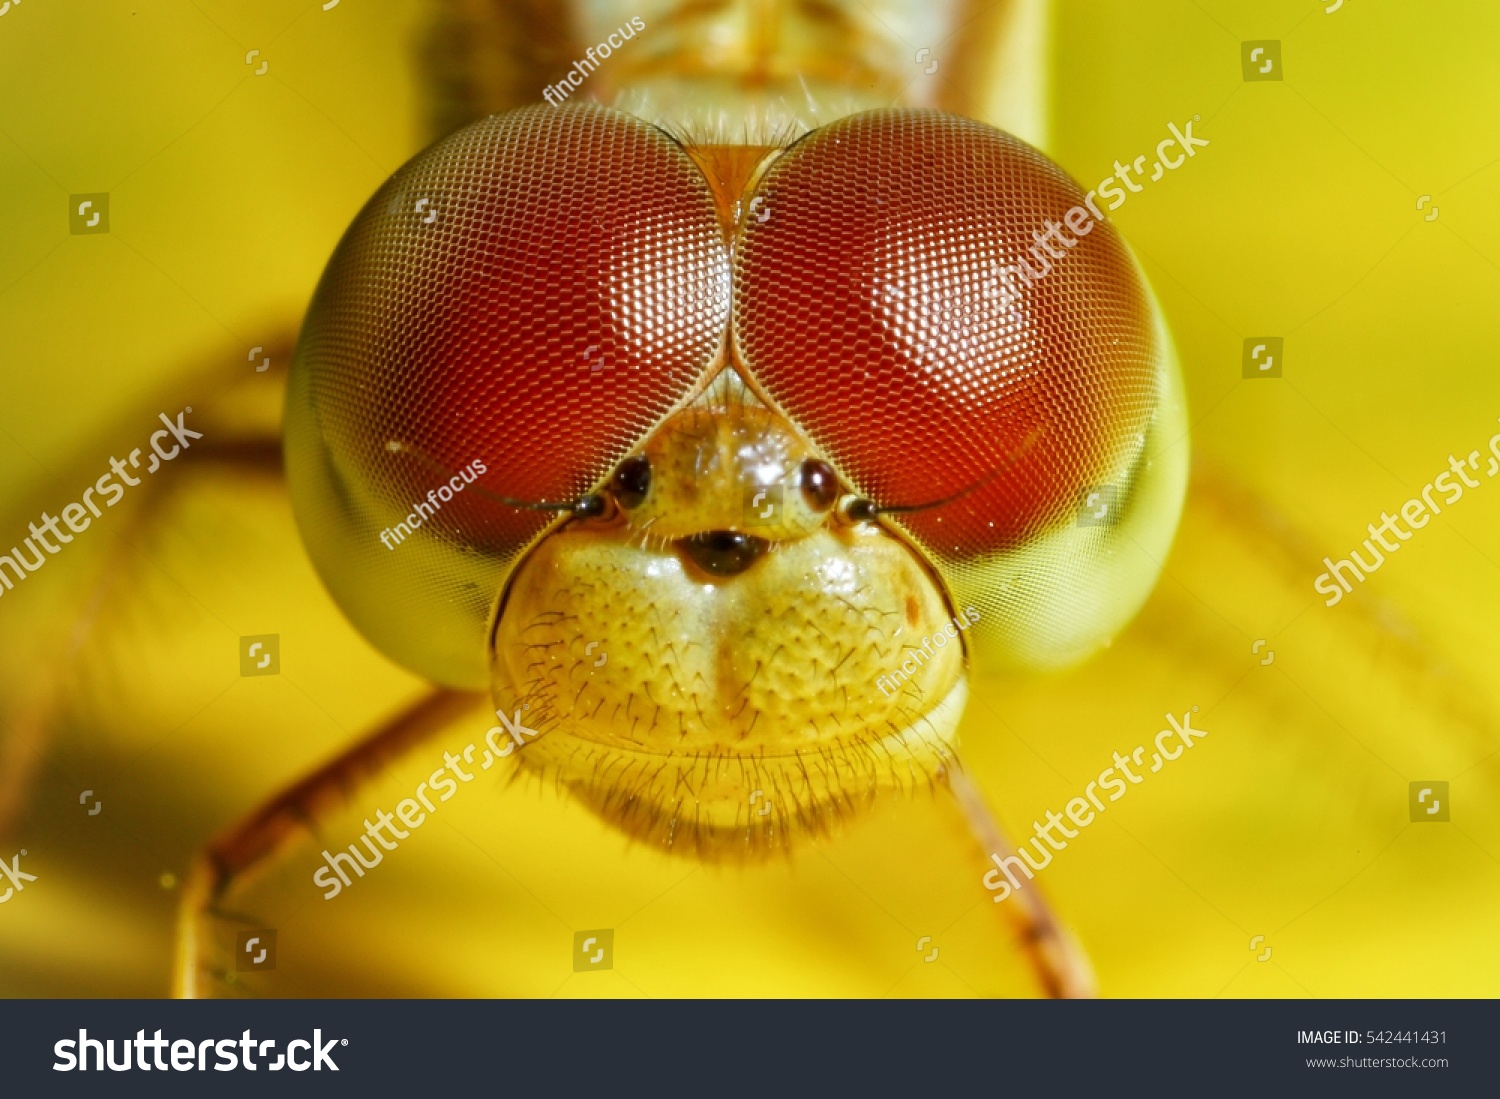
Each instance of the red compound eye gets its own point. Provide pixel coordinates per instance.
(874, 305)
(534, 292)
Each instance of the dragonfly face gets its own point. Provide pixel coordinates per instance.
(828, 410)
(706, 663)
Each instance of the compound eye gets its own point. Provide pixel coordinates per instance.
(820, 485)
(523, 301)
(632, 481)
(935, 303)
(571, 285)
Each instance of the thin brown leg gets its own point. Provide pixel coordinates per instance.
(1060, 962)
(289, 817)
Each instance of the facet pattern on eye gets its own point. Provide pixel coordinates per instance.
(536, 292)
(899, 305)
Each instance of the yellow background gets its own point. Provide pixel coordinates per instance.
(227, 193)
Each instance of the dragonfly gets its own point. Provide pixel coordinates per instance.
(711, 448)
